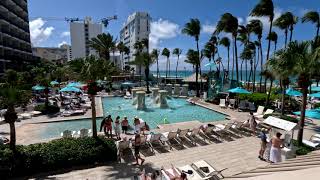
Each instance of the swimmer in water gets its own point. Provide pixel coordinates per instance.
(119, 107)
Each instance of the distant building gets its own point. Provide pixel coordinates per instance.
(69, 51)
(136, 28)
(54, 54)
(81, 33)
(15, 46)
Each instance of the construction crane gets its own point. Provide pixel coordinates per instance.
(104, 21)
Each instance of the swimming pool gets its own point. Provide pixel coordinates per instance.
(179, 110)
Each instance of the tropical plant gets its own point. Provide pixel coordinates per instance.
(103, 44)
(269, 76)
(193, 58)
(229, 24)
(121, 48)
(313, 17)
(155, 57)
(274, 38)
(262, 9)
(193, 28)
(225, 41)
(177, 52)
(286, 22)
(300, 59)
(166, 53)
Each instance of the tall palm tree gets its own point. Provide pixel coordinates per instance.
(120, 47)
(262, 9)
(225, 41)
(313, 17)
(155, 56)
(177, 52)
(229, 24)
(166, 53)
(274, 38)
(210, 51)
(300, 59)
(286, 22)
(126, 51)
(268, 75)
(144, 59)
(256, 27)
(193, 58)
(102, 44)
(193, 28)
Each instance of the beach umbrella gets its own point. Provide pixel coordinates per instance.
(75, 84)
(70, 89)
(127, 83)
(239, 90)
(317, 95)
(38, 88)
(292, 92)
(315, 88)
(310, 113)
(210, 64)
(53, 83)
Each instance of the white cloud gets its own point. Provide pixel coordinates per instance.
(62, 43)
(207, 28)
(162, 29)
(240, 20)
(38, 32)
(265, 20)
(65, 34)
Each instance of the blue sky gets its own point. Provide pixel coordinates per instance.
(168, 18)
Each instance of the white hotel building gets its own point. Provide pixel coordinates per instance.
(136, 28)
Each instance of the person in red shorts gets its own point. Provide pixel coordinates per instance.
(108, 125)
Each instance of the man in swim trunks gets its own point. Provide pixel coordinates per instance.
(108, 125)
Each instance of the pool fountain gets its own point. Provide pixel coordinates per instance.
(155, 92)
(163, 98)
(176, 90)
(184, 91)
(168, 88)
(141, 100)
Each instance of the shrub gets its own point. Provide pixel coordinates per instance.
(50, 110)
(317, 105)
(303, 149)
(284, 117)
(57, 154)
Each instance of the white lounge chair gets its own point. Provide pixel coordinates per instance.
(211, 173)
(182, 135)
(232, 103)
(171, 171)
(194, 134)
(314, 141)
(155, 141)
(66, 134)
(268, 111)
(259, 111)
(83, 133)
(223, 103)
(171, 138)
(194, 176)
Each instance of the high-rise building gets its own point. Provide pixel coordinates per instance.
(81, 33)
(136, 28)
(57, 55)
(15, 46)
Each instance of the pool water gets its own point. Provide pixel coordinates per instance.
(179, 110)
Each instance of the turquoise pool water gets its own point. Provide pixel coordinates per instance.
(179, 110)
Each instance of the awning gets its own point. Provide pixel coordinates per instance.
(280, 123)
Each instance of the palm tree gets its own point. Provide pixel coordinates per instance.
(274, 38)
(193, 58)
(177, 52)
(268, 75)
(155, 56)
(225, 41)
(193, 28)
(300, 59)
(313, 17)
(229, 24)
(256, 27)
(120, 47)
(286, 22)
(166, 53)
(103, 44)
(126, 51)
(146, 60)
(262, 9)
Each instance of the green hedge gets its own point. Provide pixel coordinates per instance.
(50, 110)
(284, 117)
(259, 99)
(303, 149)
(55, 155)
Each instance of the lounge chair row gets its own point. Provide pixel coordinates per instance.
(213, 133)
(260, 112)
(80, 133)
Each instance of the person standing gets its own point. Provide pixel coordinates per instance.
(253, 123)
(263, 138)
(117, 127)
(125, 124)
(275, 151)
(108, 125)
(103, 125)
(137, 144)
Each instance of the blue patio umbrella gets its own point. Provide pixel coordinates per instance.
(75, 84)
(239, 90)
(292, 92)
(311, 113)
(127, 83)
(53, 83)
(315, 88)
(70, 89)
(38, 88)
(317, 95)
